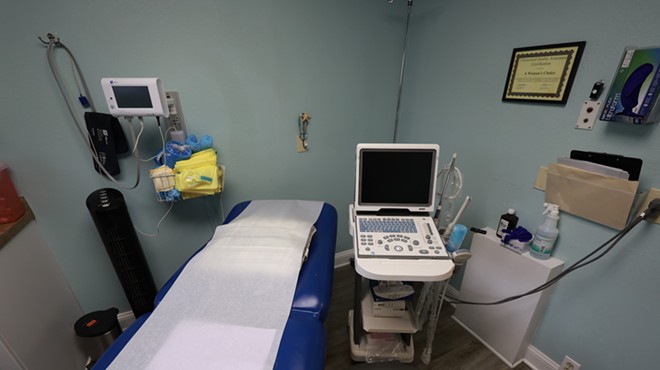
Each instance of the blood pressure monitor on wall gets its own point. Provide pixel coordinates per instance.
(135, 97)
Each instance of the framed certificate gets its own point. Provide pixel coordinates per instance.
(543, 74)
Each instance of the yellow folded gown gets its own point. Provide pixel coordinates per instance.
(199, 175)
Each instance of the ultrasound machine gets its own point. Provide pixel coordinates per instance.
(394, 198)
(394, 236)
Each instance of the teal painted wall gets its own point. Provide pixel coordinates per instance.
(605, 315)
(244, 70)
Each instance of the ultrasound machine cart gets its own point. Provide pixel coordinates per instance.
(416, 256)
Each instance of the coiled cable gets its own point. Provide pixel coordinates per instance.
(54, 41)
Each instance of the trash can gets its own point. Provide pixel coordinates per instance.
(96, 331)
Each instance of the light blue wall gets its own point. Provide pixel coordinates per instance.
(605, 315)
(244, 70)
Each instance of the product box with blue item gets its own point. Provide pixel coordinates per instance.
(517, 240)
(634, 90)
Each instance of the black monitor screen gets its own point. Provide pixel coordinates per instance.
(391, 177)
(132, 96)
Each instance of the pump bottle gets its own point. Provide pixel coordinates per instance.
(508, 221)
(546, 234)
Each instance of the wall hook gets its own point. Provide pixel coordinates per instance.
(52, 39)
(303, 122)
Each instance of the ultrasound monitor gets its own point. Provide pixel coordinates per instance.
(396, 177)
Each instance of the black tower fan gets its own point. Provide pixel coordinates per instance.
(115, 227)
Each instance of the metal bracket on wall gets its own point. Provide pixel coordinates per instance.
(301, 138)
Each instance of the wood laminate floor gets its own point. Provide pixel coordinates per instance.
(453, 347)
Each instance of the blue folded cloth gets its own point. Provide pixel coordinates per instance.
(204, 143)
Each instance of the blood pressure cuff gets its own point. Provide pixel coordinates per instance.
(107, 139)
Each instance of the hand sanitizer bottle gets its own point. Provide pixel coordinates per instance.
(546, 234)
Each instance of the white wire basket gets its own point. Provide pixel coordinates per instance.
(163, 179)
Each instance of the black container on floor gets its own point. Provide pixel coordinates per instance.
(110, 215)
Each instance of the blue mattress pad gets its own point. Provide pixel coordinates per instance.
(303, 341)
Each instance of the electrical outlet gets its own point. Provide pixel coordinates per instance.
(569, 364)
(175, 121)
(588, 115)
(652, 194)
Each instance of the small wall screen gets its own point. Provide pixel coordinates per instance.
(132, 96)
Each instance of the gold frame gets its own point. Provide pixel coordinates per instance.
(543, 74)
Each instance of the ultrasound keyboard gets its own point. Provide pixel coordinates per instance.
(398, 237)
(387, 225)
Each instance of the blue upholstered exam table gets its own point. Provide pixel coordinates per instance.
(303, 340)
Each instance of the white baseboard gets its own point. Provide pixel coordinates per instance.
(537, 360)
(343, 258)
(125, 319)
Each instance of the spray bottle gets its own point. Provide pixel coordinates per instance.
(546, 234)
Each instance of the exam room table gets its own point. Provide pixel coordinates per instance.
(303, 340)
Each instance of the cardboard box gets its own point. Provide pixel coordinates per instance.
(633, 94)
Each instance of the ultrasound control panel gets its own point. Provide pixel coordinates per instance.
(395, 237)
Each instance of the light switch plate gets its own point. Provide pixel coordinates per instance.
(588, 115)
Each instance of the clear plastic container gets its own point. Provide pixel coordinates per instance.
(456, 237)
(11, 207)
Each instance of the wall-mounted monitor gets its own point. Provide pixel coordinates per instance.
(135, 97)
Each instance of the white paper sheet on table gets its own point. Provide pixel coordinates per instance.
(241, 285)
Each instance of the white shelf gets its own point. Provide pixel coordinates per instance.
(360, 352)
(495, 272)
